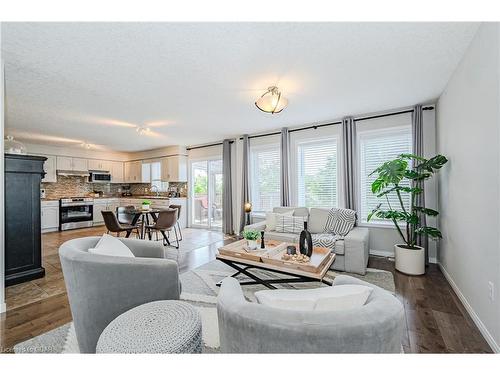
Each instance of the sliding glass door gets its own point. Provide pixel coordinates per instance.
(206, 194)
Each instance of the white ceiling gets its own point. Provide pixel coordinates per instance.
(196, 82)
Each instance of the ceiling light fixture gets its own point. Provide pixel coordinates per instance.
(142, 130)
(272, 101)
(86, 145)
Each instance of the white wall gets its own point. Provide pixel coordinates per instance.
(468, 134)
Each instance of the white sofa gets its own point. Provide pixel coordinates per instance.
(351, 253)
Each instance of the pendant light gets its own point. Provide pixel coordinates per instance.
(272, 101)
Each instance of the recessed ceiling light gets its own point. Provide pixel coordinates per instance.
(272, 101)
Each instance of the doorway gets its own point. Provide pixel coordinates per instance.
(206, 194)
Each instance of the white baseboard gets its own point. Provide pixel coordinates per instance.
(480, 325)
(390, 254)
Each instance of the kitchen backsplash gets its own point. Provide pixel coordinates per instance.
(75, 186)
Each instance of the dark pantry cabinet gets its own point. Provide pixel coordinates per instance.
(23, 248)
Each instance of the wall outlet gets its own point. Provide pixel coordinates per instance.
(491, 291)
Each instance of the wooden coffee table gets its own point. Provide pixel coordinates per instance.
(244, 261)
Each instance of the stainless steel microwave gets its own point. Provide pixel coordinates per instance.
(100, 177)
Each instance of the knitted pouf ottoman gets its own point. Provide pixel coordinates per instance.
(155, 327)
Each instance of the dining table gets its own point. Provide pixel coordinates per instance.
(144, 216)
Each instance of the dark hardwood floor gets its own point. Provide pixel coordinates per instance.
(435, 318)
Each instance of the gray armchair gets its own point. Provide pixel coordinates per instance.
(102, 287)
(246, 327)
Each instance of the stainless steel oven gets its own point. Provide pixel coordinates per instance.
(76, 213)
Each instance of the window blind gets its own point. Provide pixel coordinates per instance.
(375, 148)
(317, 173)
(265, 177)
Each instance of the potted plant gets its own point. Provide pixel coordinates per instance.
(392, 178)
(251, 237)
(146, 204)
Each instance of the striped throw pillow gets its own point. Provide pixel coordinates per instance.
(340, 221)
(290, 224)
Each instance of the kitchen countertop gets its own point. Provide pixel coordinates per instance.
(120, 197)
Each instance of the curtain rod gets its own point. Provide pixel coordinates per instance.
(427, 108)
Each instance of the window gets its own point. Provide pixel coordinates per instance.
(264, 177)
(317, 173)
(375, 148)
(156, 177)
(152, 172)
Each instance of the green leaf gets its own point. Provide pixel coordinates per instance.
(412, 156)
(373, 212)
(413, 219)
(427, 211)
(430, 231)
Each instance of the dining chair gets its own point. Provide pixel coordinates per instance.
(165, 222)
(114, 226)
(178, 208)
(124, 215)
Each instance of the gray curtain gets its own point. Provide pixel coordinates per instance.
(417, 131)
(284, 168)
(245, 194)
(227, 203)
(349, 162)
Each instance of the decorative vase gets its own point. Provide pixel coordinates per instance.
(252, 244)
(410, 261)
(145, 206)
(305, 241)
(262, 242)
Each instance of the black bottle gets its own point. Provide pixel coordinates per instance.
(305, 241)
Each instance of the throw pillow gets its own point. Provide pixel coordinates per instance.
(340, 221)
(343, 297)
(289, 224)
(335, 298)
(112, 246)
(271, 219)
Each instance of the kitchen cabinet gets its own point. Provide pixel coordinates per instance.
(80, 164)
(99, 165)
(50, 216)
(66, 163)
(146, 172)
(117, 173)
(49, 166)
(183, 203)
(99, 206)
(133, 171)
(174, 169)
(110, 204)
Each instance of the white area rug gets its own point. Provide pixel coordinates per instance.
(199, 289)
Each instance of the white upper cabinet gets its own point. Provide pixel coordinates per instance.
(117, 172)
(80, 164)
(64, 163)
(133, 171)
(99, 165)
(146, 172)
(174, 169)
(49, 166)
